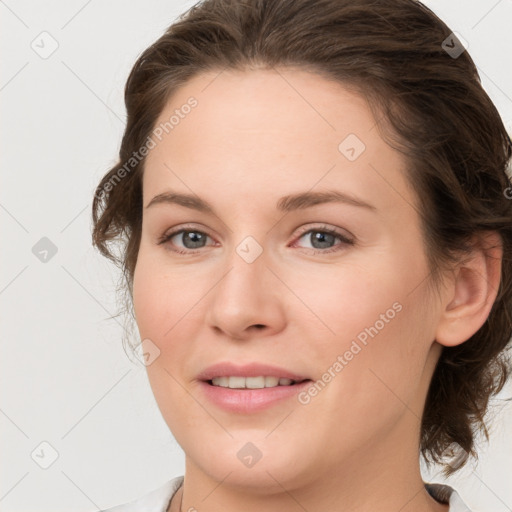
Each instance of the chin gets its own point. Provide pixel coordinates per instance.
(265, 477)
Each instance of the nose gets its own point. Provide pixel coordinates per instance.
(247, 301)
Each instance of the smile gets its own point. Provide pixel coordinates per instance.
(259, 382)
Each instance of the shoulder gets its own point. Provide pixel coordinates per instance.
(156, 500)
(448, 495)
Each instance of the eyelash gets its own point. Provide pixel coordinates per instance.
(320, 229)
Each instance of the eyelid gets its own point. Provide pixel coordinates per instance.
(330, 229)
(346, 239)
(169, 233)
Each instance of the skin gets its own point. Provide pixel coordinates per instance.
(254, 137)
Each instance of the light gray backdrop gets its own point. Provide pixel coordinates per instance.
(80, 429)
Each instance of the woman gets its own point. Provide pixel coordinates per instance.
(312, 198)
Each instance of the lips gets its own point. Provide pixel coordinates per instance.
(227, 369)
(249, 399)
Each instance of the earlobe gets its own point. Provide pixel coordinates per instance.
(472, 291)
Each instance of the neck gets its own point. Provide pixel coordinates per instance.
(385, 477)
(381, 473)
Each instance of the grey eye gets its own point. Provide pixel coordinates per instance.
(191, 239)
(320, 239)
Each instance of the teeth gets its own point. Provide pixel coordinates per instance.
(236, 382)
(271, 382)
(221, 381)
(251, 382)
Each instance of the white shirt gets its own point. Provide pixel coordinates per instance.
(158, 499)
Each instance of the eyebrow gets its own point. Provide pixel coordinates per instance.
(288, 203)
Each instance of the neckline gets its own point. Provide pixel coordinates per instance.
(439, 492)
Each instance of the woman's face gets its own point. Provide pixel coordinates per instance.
(307, 258)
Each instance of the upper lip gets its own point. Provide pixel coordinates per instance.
(227, 369)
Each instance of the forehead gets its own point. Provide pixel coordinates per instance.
(272, 132)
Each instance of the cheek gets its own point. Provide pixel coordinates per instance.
(162, 296)
(163, 310)
(347, 302)
(371, 329)
(146, 306)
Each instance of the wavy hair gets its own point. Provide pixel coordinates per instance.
(429, 104)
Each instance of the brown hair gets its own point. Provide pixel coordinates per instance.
(434, 110)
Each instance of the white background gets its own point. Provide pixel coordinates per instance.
(65, 378)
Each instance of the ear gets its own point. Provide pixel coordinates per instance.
(472, 291)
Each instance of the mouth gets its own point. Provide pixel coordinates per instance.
(250, 388)
(258, 382)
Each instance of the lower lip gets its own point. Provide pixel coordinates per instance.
(250, 400)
